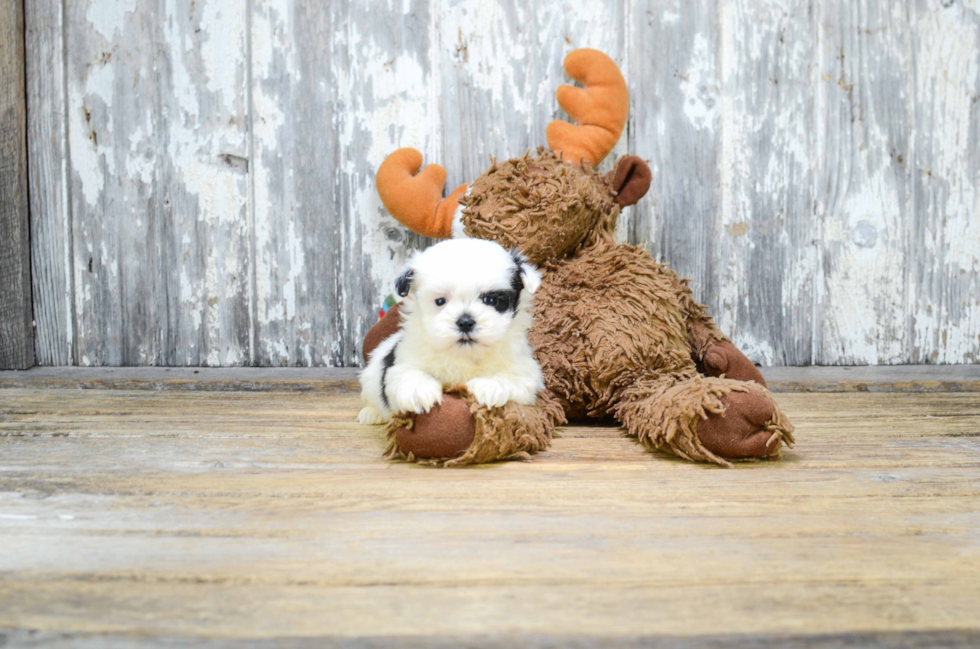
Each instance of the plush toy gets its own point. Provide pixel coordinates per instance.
(617, 334)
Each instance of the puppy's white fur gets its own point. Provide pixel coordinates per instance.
(442, 285)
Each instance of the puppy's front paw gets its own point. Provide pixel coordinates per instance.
(418, 395)
(371, 416)
(491, 392)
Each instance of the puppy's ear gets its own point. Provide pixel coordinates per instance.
(532, 278)
(529, 275)
(404, 282)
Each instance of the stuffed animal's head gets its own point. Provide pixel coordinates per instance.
(547, 204)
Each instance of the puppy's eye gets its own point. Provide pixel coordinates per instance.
(490, 300)
(440, 301)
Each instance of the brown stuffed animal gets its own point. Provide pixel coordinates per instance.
(617, 334)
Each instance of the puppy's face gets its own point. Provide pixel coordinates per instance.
(467, 295)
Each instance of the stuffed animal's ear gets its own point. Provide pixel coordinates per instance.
(404, 282)
(630, 180)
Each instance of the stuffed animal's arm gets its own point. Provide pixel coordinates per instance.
(713, 352)
(702, 332)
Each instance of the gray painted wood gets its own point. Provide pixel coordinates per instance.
(816, 165)
(48, 160)
(157, 133)
(862, 182)
(334, 90)
(16, 329)
(675, 122)
(763, 287)
(944, 237)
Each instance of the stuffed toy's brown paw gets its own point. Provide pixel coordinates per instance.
(446, 431)
(724, 358)
(750, 427)
(462, 431)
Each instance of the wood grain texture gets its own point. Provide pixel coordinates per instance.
(942, 639)
(49, 160)
(766, 233)
(238, 516)
(944, 238)
(675, 121)
(335, 87)
(157, 132)
(863, 184)
(815, 165)
(16, 310)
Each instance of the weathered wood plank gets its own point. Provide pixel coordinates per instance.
(945, 638)
(764, 255)
(675, 122)
(944, 280)
(16, 309)
(253, 516)
(157, 133)
(862, 182)
(815, 165)
(336, 87)
(51, 227)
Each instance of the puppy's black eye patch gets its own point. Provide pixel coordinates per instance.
(404, 283)
(500, 300)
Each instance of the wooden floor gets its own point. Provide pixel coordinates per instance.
(215, 517)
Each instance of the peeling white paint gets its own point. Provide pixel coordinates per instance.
(109, 18)
(700, 104)
(782, 148)
(948, 84)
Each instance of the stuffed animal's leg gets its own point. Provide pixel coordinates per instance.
(704, 418)
(462, 431)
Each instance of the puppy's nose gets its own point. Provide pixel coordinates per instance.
(466, 323)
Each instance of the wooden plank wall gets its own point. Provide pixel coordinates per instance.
(16, 330)
(202, 172)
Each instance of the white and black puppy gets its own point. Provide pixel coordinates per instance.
(465, 319)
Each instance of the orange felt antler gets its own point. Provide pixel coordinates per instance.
(600, 108)
(415, 198)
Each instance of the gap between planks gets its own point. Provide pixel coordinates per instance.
(889, 378)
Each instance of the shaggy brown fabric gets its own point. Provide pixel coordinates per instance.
(511, 432)
(725, 359)
(603, 319)
(630, 180)
(666, 413)
(539, 204)
(389, 324)
(616, 332)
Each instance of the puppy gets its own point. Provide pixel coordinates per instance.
(464, 321)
